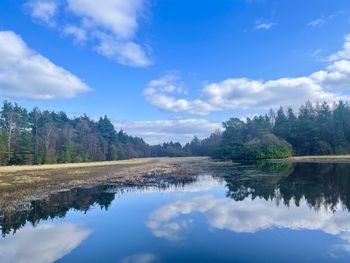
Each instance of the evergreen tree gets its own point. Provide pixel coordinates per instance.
(281, 128)
(50, 137)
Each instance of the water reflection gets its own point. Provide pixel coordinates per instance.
(320, 184)
(42, 244)
(247, 216)
(82, 200)
(267, 196)
(54, 206)
(139, 224)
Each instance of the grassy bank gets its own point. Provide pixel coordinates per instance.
(21, 183)
(321, 158)
(20, 168)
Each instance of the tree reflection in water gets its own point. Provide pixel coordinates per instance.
(55, 206)
(80, 199)
(320, 184)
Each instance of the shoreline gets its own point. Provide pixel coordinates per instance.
(23, 183)
(320, 159)
(39, 167)
(5, 170)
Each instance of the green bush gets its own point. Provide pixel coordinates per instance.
(265, 147)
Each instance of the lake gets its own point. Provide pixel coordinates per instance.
(262, 212)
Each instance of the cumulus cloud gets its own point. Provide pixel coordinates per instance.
(27, 74)
(328, 84)
(160, 93)
(111, 23)
(118, 16)
(45, 243)
(158, 131)
(43, 10)
(124, 52)
(344, 53)
(247, 216)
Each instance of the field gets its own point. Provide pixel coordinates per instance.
(21, 183)
(20, 168)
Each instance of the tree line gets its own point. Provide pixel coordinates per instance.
(42, 137)
(313, 129)
(45, 137)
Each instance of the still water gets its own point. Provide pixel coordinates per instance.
(266, 212)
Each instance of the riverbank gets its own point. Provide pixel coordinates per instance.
(21, 168)
(321, 159)
(22, 183)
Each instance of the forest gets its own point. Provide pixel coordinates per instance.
(41, 137)
(314, 129)
(45, 137)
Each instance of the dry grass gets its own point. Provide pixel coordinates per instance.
(20, 168)
(322, 158)
(21, 183)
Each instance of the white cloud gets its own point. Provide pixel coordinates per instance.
(26, 74)
(160, 94)
(323, 20)
(265, 26)
(140, 258)
(78, 33)
(43, 10)
(317, 54)
(124, 52)
(158, 131)
(44, 243)
(328, 84)
(344, 53)
(117, 16)
(248, 216)
(111, 23)
(318, 22)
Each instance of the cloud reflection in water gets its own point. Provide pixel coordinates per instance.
(248, 216)
(45, 243)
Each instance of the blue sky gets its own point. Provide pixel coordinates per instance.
(166, 70)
